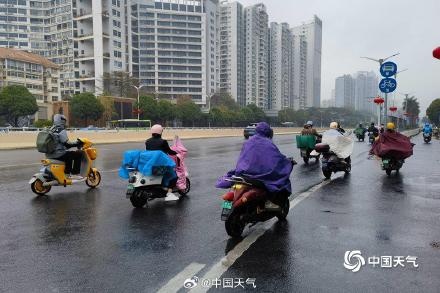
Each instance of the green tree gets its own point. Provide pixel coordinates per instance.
(16, 102)
(43, 123)
(165, 111)
(149, 107)
(86, 106)
(412, 107)
(187, 111)
(433, 112)
(252, 113)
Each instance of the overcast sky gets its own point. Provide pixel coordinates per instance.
(374, 28)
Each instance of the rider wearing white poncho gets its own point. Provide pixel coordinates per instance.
(340, 144)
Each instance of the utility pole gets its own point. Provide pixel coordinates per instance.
(138, 88)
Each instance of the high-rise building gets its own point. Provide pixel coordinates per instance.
(257, 55)
(345, 92)
(365, 89)
(280, 67)
(86, 38)
(307, 64)
(232, 61)
(174, 47)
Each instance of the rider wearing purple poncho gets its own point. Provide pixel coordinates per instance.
(261, 160)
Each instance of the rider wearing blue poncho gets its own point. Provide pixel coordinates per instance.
(427, 128)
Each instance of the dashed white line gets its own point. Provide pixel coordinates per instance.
(176, 283)
(218, 269)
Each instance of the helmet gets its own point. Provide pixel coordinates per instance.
(391, 126)
(157, 129)
(59, 120)
(309, 123)
(372, 124)
(334, 125)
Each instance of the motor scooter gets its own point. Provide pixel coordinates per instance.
(52, 172)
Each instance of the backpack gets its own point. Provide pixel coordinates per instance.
(47, 141)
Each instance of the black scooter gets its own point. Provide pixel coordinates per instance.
(330, 161)
(427, 137)
(389, 164)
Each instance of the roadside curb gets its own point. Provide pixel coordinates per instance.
(143, 140)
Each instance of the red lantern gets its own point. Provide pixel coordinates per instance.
(436, 53)
(393, 109)
(378, 100)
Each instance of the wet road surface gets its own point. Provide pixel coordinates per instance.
(80, 240)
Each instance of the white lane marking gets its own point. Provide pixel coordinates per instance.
(218, 269)
(176, 283)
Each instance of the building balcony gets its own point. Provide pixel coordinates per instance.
(82, 15)
(84, 57)
(85, 77)
(83, 37)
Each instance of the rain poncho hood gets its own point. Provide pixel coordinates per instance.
(59, 121)
(144, 161)
(340, 144)
(392, 145)
(261, 160)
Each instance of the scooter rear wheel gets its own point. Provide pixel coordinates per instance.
(234, 224)
(388, 171)
(38, 188)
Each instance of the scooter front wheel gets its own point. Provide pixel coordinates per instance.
(187, 189)
(284, 210)
(234, 224)
(38, 188)
(327, 173)
(138, 200)
(93, 179)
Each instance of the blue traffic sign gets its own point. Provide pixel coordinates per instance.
(387, 85)
(388, 69)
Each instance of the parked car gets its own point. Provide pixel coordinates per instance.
(249, 130)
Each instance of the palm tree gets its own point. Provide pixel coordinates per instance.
(412, 107)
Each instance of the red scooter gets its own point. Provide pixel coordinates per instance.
(246, 204)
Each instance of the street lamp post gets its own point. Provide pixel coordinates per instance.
(381, 61)
(138, 88)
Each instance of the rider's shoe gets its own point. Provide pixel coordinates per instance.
(75, 177)
(171, 197)
(270, 206)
